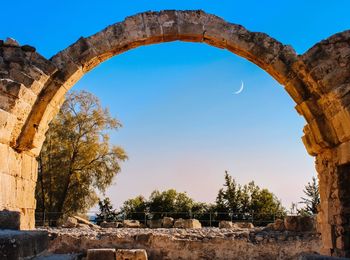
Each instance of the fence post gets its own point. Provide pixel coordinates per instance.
(44, 219)
(210, 219)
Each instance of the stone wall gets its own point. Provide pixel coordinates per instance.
(23, 73)
(205, 243)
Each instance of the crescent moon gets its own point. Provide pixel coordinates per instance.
(240, 89)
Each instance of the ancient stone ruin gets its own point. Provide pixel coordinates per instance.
(32, 89)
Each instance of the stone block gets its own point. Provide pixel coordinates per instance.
(225, 224)
(131, 223)
(279, 225)
(22, 244)
(113, 224)
(300, 223)
(101, 253)
(70, 223)
(187, 223)
(10, 220)
(244, 224)
(167, 222)
(131, 254)
(154, 223)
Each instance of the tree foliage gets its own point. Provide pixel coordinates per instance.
(107, 213)
(159, 204)
(312, 199)
(248, 200)
(77, 158)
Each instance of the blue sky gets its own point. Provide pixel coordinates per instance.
(183, 127)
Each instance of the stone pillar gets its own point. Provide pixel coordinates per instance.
(334, 213)
(18, 174)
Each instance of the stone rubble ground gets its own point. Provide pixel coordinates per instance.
(255, 235)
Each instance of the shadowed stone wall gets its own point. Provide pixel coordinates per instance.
(32, 90)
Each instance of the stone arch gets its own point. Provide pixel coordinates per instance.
(32, 90)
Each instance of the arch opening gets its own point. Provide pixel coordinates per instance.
(33, 90)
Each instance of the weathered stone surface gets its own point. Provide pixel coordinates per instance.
(226, 224)
(113, 224)
(10, 220)
(84, 221)
(167, 222)
(131, 223)
(154, 223)
(279, 225)
(187, 223)
(131, 254)
(300, 223)
(101, 253)
(244, 224)
(70, 223)
(22, 244)
(204, 243)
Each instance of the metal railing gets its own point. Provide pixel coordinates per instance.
(207, 219)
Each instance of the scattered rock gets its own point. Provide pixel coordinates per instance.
(300, 223)
(83, 226)
(225, 224)
(131, 223)
(187, 223)
(244, 224)
(154, 223)
(279, 225)
(113, 224)
(167, 222)
(86, 222)
(70, 223)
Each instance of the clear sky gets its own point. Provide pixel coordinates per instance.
(183, 126)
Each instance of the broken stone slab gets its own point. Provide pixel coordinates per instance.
(244, 224)
(131, 223)
(114, 224)
(167, 222)
(22, 244)
(101, 253)
(70, 223)
(86, 222)
(187, 223)
(154, 223)
(131, 254)
(300, 223)
(226, 224)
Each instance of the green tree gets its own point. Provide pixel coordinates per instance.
(179, 203)
(134, 208)
(107, 213)
(77, 158)
(248, 201)
(312, 199)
